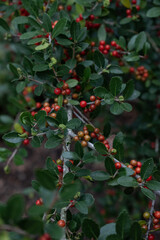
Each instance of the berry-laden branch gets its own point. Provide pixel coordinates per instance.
(66, 147)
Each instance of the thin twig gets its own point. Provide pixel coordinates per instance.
(150, 219)
(9, 228)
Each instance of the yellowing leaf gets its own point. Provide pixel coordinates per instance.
(126, 3)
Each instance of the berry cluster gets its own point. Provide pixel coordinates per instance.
(105, 48)
(141, 73)
(27, 91)
(95, 102)
(86, 136)
(155, 222)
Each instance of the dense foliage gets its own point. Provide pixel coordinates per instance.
(82, 75)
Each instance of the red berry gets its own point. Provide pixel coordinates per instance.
(128, 11)
(38, 105)
(102, 42)
(56, 108)
(78, 88)
(57, 91)
(25, 141)
(83, 104)
(138, 170)
(33, 113)
(72, 201)
(131, 69)
(93, 135)
(157, 214)
(118, 165)
(45, 236)
(92, 98)
(60, 168)
(101, 47)
(39, 202)
(101, 138)
(138, 7)
(92, 107)
(92, 44)
(69, 8)
(149, 179)
(113, 43)
(47, 109)
(139, 164)
(105, 51)
(151, 237)
(61, 223)
(107, 47)
(134, 1)
(68, 91)
(92, 17)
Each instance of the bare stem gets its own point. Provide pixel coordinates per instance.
(9, 228)
(150, 219)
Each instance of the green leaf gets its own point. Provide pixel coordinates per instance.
(153, 12)
(132, 41)
(72, 83)
(62, 116)
(107, 230)
(15, 207)
(125, 20)
(102, 33)
(51, 121)
(135, 232)
(140, 41)
(116, 108)
(4, 25)
(36, 142)
(51, 166)
(126, 181)
(54, 230)
(123, 224)
(60, 100)
(40, 119)
(47, 24)
(147, 168)
(115, 85)
(38, 90)
(53, 8)
(100, 175)
(100, 92)
(71, 155)
(74, 123)
(26, 119)
(99, 59)
(32, 225)
(110, 167)
(113, 237)
(148, 193)
(88, 199)
(100, 147)
(128, 91)
(90, 228)
(75, 30)
(82, 207)
(36, 211)
(29, 35)
(126, 107)
(12, 137)
(46, 179)
(153, 185)
(79, 149)
(29, 6)
(59, 27)
(69, 191)
(20, 86)
(53, 142)
(20, 20)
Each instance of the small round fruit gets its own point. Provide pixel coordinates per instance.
(146, 215)
(87, 138)
(39, 202)
(133, 163)
(65, 101)
(59, 161)
(45, 236)
(56, 108)
(57, 91)
(93, 135)
(97, 102)
(92, 107)
(75, 95)
(92, 98)
(138, 170)
(46, 104)
(96, 130)
(76, 138)
(156, 226)
(60, 168)
(157, 214)
(68, 91)
(151, 237)
(25, 141)
(149, 179)
(101, 138)
(53, 115)
(84, 144)
(118, 165)
(155, 220)
(130, 166)
(80, 134)
(86, 132)
(47, 109)
(38, 105)
(83, 104)
(144, 227)
(61, 223)
(139, 164)
(65, 86)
